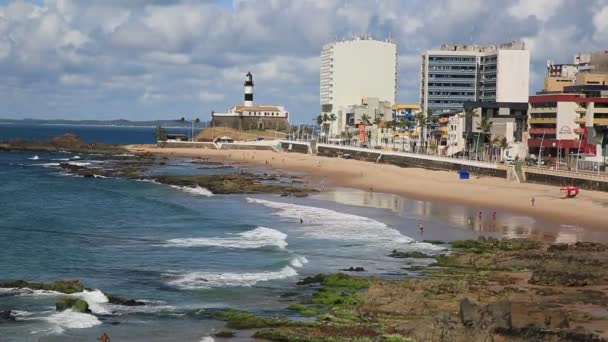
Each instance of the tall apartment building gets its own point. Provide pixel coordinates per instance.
(354, 69)
(456, 74)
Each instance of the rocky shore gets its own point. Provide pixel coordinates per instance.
(485, 290)
(66, 142)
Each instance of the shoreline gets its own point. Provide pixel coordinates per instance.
(417, 183)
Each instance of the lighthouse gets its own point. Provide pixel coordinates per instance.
(248, 90)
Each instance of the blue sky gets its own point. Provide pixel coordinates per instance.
(155, 59)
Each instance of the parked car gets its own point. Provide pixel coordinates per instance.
(224, 139)
(259, 138)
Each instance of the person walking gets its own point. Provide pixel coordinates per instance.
(104, 338)
(532, 200)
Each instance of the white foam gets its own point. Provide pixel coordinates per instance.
(61, 159)
(298, 261)
(97, 301)
(34, 158)
(147, 181)
(328, 224)
(207, 339)
(47, 164)
(124, 155)
(79, 163)
(69, 319)
(99, 176)
(76, 157)
(195, 191)
(207, 280)
(256, 238)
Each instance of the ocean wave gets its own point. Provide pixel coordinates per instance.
(69, 319)
(34, 158)
(207, 339)
(208, 280)
(97, 300)
(61, 159)
(256, 238)
(75, 157)
(298, 261)
(47, 164)
(195, 191)
(320, 223)
(79, 163)
(123, 155)
(147, 181)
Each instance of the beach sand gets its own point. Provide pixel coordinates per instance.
(588, 209)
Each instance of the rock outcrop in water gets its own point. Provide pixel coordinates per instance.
(244, 183)
(63, 286)
(6, 316)
(65, 142)
(75, 304)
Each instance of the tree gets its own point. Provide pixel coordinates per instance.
(433, 146)
(161, 134)
(365, 119)
(320, 119)
(485, 126)
(332, 117)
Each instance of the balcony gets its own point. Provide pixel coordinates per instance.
(533, 110)
(542, 130)
(596, 121)
(542, 120)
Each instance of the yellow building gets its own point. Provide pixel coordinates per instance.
(405, 111)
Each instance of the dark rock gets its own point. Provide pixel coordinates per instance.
(412, 254)
(63, 286)
(563, 278)
(126, 302)
(354, 269)
(244, 183)
(560, 247)
(76, 304)
(6, 315)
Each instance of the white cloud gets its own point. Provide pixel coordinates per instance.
(600, 21)
(541, 9)
(141, 54)
(206, 96)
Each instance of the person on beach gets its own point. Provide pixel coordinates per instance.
(494, 216)
(532, 200)
(469, 221)
(301, 221)
(421, 228)
(104, 338)
(480, 215)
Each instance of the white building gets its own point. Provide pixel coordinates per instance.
(355, 69)
(456, 74)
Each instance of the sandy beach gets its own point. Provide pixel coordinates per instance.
(588, 209)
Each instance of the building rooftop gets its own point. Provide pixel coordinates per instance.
(256, 108)
(484, 48)
(406, 106)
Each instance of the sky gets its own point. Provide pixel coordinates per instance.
(164, 59)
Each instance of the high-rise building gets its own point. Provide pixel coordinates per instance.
(354, 69)
(456, 74)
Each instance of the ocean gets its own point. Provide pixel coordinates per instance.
(186, 252)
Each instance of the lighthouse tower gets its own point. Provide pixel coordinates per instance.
(248, 90)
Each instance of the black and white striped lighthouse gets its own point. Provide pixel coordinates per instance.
(248, 89)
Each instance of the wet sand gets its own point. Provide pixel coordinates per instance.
(589, 210)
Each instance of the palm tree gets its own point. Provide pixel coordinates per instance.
(468, 119)
(433, 146)
(485, 125)
(421, 121)
(332, 117)
(365, 119)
